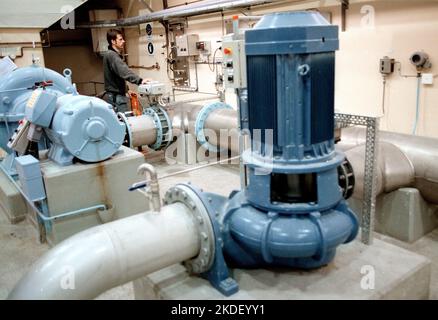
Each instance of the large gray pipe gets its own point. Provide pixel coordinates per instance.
(404, 160)
(184, 120)
(194, 9)
(143, 130)
(98, 259)
(222, 124)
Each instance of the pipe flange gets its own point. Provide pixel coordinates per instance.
(204, 261)
(200, 122)
(163, 126)
(128, 136)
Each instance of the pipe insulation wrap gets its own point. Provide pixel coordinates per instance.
(143, 130)
(414, 164)
(394, 170)
(224, 120)
(112, 254)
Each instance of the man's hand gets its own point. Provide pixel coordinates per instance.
(146, 81)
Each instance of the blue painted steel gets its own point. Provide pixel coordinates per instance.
(258, 238)
(16, 88)
(31, 179)
(218, 274)
(294, 33)
(200, 122)
(41, 111)
(86, 128)
(292, 212)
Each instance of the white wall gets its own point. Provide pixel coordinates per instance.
(23, 38)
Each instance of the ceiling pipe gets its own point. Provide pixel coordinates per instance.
(205, 7)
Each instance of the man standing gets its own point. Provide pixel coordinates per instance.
(116, 72)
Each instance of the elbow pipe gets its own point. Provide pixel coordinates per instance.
(98, 259)
(413, 161)
(147, 168)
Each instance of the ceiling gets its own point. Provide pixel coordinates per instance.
(34, 14)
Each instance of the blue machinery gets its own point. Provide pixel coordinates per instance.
(292, 212)
(37, 103)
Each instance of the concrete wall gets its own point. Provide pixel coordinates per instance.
(83, 62)
(22, 38)
(394, 28)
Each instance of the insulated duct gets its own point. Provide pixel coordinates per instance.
(404, 161)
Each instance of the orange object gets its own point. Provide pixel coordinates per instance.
(227, 51)
(235, 17)
(135, 105)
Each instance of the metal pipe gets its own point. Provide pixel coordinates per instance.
(175, 103)
(100, 207)
(143, 130)
(142, 184)
(112, 254)
(171, 13)
(422, 153)
(154, 186)
(417, 105)
(223, 127)
(184, 118)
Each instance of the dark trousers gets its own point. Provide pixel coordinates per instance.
(118, 101)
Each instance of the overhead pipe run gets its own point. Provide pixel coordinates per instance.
(194, 9)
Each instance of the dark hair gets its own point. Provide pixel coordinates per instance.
(112, 35)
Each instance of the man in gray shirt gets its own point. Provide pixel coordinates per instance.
(116, 72)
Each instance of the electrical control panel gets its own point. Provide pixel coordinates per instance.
(234, 63)
(204, 47)
(186, 45)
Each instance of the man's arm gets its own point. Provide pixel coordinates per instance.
(120, 67)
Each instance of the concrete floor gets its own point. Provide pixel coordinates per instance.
(19, 246)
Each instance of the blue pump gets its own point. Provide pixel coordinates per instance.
(292, 212)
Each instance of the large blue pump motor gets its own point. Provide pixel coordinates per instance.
(292, 212)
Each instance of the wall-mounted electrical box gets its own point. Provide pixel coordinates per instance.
(186, 45)
(203, 47)
(233, 63)
(387, 65)
(427, 78)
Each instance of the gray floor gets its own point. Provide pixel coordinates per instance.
(19, 246)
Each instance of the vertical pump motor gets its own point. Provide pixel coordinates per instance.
(291, 212)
